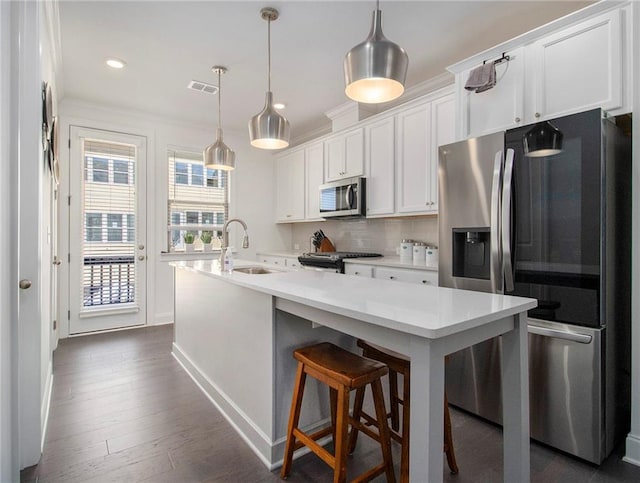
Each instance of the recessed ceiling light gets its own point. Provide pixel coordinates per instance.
(279, 105)
(116, 63)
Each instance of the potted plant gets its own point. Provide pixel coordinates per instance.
(206, 237)
(189, 238)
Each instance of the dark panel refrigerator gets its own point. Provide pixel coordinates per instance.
(556, 228)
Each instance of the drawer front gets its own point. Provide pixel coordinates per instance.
(293, 263)
(358, 270)
(271, 260)
(425, 277)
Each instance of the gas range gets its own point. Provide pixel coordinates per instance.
(331, 261)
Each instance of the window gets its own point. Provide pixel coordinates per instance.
(97, 225)
(198, 198)
(108, 170)
(93, 228)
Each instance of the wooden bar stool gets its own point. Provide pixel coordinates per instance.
(399, 364)
(343, 372)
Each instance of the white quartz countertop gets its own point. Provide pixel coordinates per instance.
(390, 262)
(426, 311)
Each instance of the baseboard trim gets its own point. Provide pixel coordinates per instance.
(46, 405)
(632, 450)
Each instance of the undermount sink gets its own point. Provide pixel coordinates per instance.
(256, 270)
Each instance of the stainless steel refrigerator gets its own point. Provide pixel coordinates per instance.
(556, 228)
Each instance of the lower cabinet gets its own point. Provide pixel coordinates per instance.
(280, 261)
(358, 270)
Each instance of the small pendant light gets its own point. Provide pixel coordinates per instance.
(543, 139)
(218, 155)
(376, 69)
(269, 129)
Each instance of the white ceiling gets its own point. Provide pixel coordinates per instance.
(168, 43)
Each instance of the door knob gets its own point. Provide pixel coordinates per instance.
(141, 258)
(56, 261)
(141, 247)
(25, 284)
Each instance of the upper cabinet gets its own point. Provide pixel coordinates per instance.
(380, 154)
(314, 177)
(580, 66)
(344, 155)
(290, 183)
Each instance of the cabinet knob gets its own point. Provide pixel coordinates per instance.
(537, 114)
(518, 119)
(391, 277)
(288, 216)
(356, 273)
(426, 282)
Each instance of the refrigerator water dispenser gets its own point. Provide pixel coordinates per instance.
(472, 253)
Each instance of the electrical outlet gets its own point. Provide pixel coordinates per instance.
(296, 246)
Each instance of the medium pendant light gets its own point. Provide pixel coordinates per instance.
(376, 69)
(269, 129)
(218, 155)
(543, 139)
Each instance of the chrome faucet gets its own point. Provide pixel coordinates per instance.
(225, 238)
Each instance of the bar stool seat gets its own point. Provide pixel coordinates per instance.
(399, 364)
(343, 372)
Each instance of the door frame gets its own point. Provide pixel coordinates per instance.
(76, 132)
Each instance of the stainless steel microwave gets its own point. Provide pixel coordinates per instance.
(344, 198)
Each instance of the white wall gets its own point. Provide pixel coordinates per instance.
(8, 340)
(251, 191)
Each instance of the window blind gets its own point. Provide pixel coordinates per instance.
(108, 229)
(198, 198)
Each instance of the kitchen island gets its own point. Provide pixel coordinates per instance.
(235, 333)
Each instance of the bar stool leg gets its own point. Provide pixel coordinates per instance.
(341, 429)
(406, 421)
(333, 401)
(448, 439)
(394, 400)
(383, 429)
(357, 411)
(294, 416)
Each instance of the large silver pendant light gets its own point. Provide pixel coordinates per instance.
(376, 69)
(269, 129)
(218, 155)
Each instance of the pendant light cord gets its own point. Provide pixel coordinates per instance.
(269, 54)
(219, 100)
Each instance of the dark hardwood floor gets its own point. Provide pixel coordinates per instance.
(123, 410)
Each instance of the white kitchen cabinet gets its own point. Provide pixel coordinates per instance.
(425, 277)
(499, 108)
(380, 169)
(344, 155)
(290, 184)
(358, 270)
(443, 131)
(579, 68)
(314, 177)
(292, 263)
(576, 68)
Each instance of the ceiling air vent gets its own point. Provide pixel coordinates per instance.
(202, 87)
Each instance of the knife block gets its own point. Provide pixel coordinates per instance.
(326, 246)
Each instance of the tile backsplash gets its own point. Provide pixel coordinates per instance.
(381, 235)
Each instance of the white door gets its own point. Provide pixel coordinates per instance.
(107, 230)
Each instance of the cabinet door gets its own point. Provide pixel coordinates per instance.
(293, 263)
(314, 177)
(579, 68)
(290, 187)
(358, 270)
(424, 277)
(334, 158)
(344, 155)
(501, 107)
(443, 131)
(380, 172)
(413, 144)
(354, 153)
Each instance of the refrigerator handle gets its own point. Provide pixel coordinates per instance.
(496, 279)
(560, 334)
(507, 264)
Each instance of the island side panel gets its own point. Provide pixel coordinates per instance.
(223, 336)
